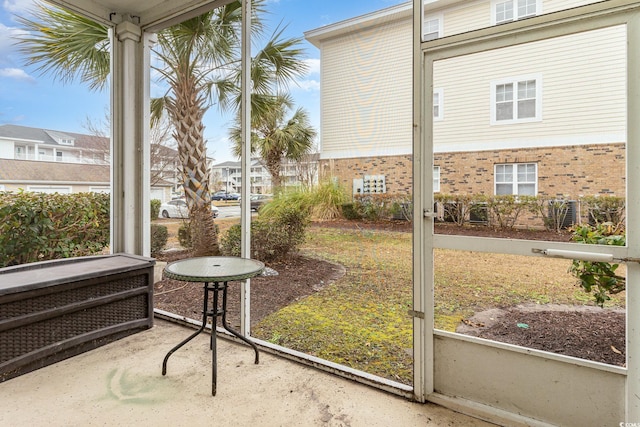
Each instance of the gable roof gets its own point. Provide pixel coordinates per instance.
(26, 171)
(51, 137)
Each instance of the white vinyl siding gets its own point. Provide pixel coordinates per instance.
(550, 6)
(366, 92)
(104, 189)
(516, 178)
(466, 16)
(575, 106)
(472, 15)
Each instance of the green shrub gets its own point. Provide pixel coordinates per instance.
(184, 235)
(272, 237)
(159, 237)
(155, 208)
(505, 209)
(455, 207)
(598, 278)
(39, 226)
(350, 211)
(601, 209)
(557, 211)
(374, 207)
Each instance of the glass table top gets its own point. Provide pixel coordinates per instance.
(213, 269)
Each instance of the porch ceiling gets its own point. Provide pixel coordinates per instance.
(151, 15)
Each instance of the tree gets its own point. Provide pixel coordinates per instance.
(275, 138)
(199, 62)
(162, 151)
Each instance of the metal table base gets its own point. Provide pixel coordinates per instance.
(215, 288)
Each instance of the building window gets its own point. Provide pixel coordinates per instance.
(436, 179)
(516, 100)
(432, 28)
(49, 189)
(437, 104)
(512, 10)
(516, 178)
(58, 156)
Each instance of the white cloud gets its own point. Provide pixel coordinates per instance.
(314, 65)
(18, 6)
(8, 49)
(17, 74)
(308, 85)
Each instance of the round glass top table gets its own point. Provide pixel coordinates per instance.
(213, 269)
(215, 272)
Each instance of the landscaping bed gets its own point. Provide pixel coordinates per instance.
(596, 334)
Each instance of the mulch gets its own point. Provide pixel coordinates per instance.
(297, 277)
(592, 334)
(585, 332)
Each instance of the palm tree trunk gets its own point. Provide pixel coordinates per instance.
(186, 114)
(273, 163)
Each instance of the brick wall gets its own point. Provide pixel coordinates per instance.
(567, 172)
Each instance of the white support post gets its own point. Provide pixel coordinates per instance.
(245, 125)
(633, 219)
(130, 158)
(422, 224)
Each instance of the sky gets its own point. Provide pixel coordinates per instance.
(28, 98)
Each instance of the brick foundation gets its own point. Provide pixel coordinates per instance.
(567, 172)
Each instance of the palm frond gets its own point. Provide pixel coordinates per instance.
(66, 45)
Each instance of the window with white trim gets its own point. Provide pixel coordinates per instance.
(516, 178)
(432, 28)
(437, 104)
(49, 189)
(436, 179)
(512, 10)
(516, 100)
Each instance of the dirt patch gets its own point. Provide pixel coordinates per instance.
(586, 332)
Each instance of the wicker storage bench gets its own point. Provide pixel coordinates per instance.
(53, 310)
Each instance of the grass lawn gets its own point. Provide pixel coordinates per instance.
(361, 320)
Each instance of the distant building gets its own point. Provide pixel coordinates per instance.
(53, 161)
(227, 176)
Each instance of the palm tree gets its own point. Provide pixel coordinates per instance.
(274, 137)
(200, 64)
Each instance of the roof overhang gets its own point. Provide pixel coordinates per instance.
(373, 19)
(150, 15)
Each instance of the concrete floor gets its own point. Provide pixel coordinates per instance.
(121, 384)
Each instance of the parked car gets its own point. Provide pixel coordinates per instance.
(223, 195)
(177, 208)
(257, 200)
